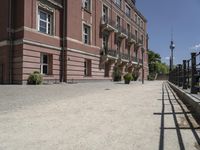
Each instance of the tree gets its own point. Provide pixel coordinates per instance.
(155, 64)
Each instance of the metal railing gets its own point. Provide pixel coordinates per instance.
(108, 51)
(131, 36)
(109, 21)
(124, 56)
(134, 59)
(187, 75)
(121, 29)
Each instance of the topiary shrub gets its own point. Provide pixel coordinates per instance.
(117, 74)
(127, 78)
(135, 76)
(35, 78)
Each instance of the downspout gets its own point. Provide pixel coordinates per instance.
(63, 43)
(10, 36)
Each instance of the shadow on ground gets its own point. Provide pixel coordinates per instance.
(189, 120)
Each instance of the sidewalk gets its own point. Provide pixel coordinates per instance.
(95, 116)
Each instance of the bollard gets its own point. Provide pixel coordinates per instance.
(179, 75)
(184, 75)
(194, 90)
(188, 74)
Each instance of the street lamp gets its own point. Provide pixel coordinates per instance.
(172, 47)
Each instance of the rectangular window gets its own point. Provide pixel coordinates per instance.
(105, 14)
(46, 64)
(45, 22)
(142, 39)
(138, 21)
(118, 3)
(135, 18)
(128, 28)
(87, 67)
(118, 22)
(87, 5)
(142, 24)
(128, 11)
(136, 34)
(86, 34)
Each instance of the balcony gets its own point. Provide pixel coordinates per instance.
(121, 32)
(124, 57)
(134, 60)
(107, 24)
(108, 54)
(131, 39)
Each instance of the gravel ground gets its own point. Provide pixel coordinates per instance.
(94, 116)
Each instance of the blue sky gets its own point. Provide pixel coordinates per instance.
(181, 15)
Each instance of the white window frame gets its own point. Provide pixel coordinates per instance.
(118, 24)
(44, 64)
(106, 17)
(88, 34)
(89, 2)
(49, 30)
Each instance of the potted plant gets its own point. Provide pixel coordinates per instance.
(117, 74)
(35, 78)
(127, 78)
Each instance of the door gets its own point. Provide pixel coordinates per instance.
(1, 73)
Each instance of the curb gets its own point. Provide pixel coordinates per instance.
(188, 98)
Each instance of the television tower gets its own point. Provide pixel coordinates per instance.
(172, 47)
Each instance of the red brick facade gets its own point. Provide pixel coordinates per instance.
(69, 58)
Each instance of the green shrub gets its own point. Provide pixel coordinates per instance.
(35, 78)
(127, 78)
(117, 74)
(135, 76)
(151, 77)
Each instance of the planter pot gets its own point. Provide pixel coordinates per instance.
(127, 81)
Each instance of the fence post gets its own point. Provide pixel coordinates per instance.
(176, 82)
(184, 75)
(179, 75)
(188, 74)
(194, 90)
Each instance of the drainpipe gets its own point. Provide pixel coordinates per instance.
(64, 44)
(10, 37)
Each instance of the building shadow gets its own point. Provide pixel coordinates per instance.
(168, 98)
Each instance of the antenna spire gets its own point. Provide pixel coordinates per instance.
(172, 34)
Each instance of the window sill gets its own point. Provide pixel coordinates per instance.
(47, 75)
(46, 34)
(88, 11)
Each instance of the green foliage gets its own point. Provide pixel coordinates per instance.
(128, 77)
(151, 77)
(155, 64)
(117, 74)
(135, 76)
(35, 78)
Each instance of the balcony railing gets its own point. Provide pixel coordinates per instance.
(108, 21)
(124, 56)
(134, 59)
(110, 52)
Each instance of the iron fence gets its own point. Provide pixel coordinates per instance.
(187, 74)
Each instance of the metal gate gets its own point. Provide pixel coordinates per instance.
(1, 73)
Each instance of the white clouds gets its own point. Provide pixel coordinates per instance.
(195, 47)
(167, 58)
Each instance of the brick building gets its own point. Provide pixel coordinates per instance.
(69, 40)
